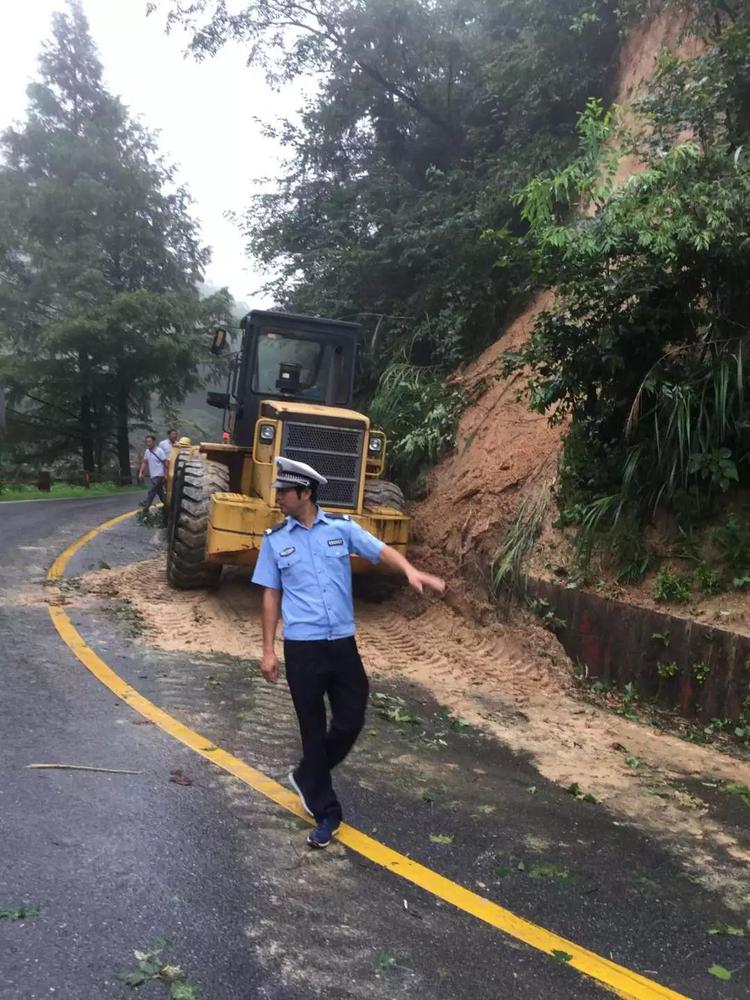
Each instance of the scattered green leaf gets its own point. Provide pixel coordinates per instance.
(546, 869)
(720, 972)
(136, 978)
(442, 838)
(734, 788)
(182, 990)
(20, 913)
(384, 963)
(151, 967)
(393, 709)
(661, 637)
(725, 929)
(577, 792)
(561, 956)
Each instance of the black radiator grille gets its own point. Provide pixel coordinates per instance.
(334, 452)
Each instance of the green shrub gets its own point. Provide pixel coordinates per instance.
(419, 413)
(701, 671)
(667, 671)
(671, 587)
(708, 579)
(732, 542)
(507, 567)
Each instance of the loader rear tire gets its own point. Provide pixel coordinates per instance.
(381, 493)
(195, 482)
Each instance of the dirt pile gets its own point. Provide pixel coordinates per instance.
(511, 680)
(501, 450)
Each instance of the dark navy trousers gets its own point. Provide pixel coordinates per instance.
(316, 669)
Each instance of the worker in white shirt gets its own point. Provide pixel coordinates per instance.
(168, 443)
(155, 460)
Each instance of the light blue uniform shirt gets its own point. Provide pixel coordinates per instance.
(311, 567)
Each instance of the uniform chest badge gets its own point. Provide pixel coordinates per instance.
(335, 541)
(287, 551)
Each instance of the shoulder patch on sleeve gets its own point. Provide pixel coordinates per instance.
(276, 527)
(338, 517)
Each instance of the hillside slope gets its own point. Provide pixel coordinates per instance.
(503, 451)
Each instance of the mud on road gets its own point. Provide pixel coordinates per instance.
(512, 681)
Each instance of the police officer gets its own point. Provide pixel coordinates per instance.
(305, 569)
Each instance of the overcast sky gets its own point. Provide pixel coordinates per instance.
(204, 112)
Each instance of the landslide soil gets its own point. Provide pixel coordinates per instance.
(510, 679)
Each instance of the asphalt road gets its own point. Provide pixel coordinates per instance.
(115, 862)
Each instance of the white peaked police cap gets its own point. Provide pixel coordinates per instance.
(291, 473)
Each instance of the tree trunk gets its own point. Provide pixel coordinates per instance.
(123, 440)
(84, 414)
(99, 419)
(87, 435)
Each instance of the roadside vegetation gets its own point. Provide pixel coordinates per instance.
(59, 491)
(644, 353)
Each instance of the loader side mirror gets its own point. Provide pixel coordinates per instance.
(218, 399)
(218, 343)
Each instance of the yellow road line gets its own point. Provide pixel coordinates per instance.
(622, 981)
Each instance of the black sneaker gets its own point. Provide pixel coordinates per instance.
(295, 785)
(323, 833)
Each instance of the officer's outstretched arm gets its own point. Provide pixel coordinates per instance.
(269, 665)
(393, 559)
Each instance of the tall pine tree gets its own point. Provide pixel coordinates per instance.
(100, 264)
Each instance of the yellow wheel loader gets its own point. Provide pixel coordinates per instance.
(289, 393)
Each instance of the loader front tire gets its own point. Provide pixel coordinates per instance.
(381, 493)
(195, 482)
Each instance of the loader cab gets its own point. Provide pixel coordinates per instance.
(293, 358)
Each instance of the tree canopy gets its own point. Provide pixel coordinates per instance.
(423, 120)
(426, 118)
(100, 265)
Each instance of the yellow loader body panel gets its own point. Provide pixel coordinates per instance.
(237, 525)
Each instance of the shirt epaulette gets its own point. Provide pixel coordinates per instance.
(338, 517)
(276, 527)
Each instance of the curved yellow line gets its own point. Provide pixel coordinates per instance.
(617, 978)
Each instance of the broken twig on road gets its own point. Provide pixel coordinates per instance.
(79, 767)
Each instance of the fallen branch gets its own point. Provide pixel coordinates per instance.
(80, 767)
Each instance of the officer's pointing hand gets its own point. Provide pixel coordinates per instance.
(419, 580)
(269, 667)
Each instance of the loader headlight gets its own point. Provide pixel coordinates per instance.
(267, 433)
(376, 446)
